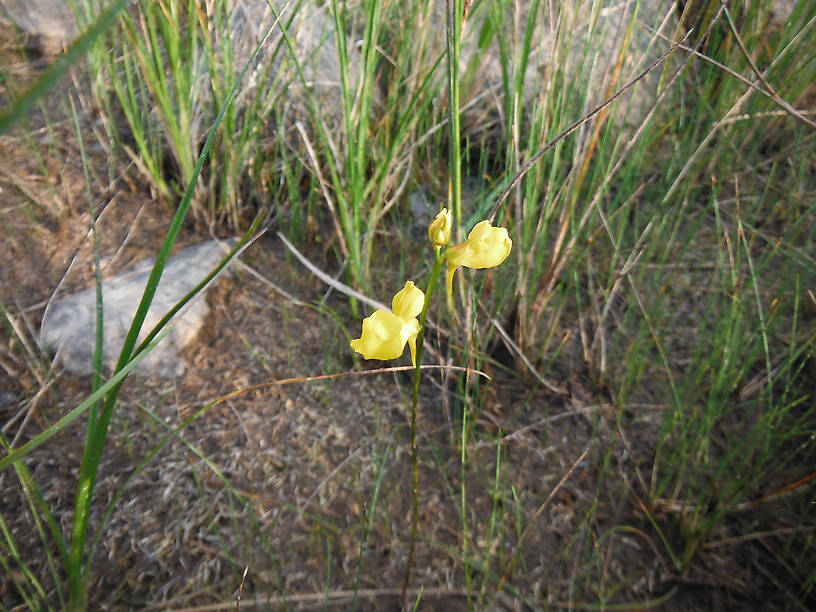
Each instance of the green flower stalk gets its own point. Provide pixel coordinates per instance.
(385, 334)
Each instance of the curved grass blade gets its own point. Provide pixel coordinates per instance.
(38, 504)
(240, 246)
(55, 73)
(98, 431)
(73, 415)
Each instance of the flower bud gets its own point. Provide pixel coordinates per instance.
(439, 231)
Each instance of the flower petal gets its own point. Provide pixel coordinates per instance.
(485, 247)
(382, 336)
(408, 303)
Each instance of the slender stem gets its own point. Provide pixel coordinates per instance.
(414, 457)
(463, 489)
(454, 44)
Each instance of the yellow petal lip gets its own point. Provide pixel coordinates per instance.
(385, 334)
(382, 336)
(408, 302)
(486, 247)
(439, 231)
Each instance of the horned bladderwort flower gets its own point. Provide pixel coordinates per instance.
(385, 333)
(486, 247)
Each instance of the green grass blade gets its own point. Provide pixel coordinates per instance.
(96, 440)
(24, 101)
(54, 429)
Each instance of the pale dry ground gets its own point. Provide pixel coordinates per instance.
(302, 455)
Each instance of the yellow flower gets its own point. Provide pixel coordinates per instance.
(485, 247)
(385, 333)
(439, 231)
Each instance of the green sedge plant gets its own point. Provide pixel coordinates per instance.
(613, 232)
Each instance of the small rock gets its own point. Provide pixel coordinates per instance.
(69, 324)
(421, 211)
(587, 40)
(313, 33)
(49, 25)
(7, 398)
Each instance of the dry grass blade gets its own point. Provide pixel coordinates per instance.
(324, 187)
(680, 507)
(769, 93)
(241, 589)
(304, 379)
(34, 357)
(333, 598)
(550, 419)
(515, 348)
(329, 476)
(46, 199)
(337, 285)
(331, 282)
(757, 535)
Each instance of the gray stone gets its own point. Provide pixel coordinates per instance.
(48, 24)
(7, 398)
(587, 45)
(51, 26)
(589, 36)
(312, 33)
(69, 324)
(421, 210)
